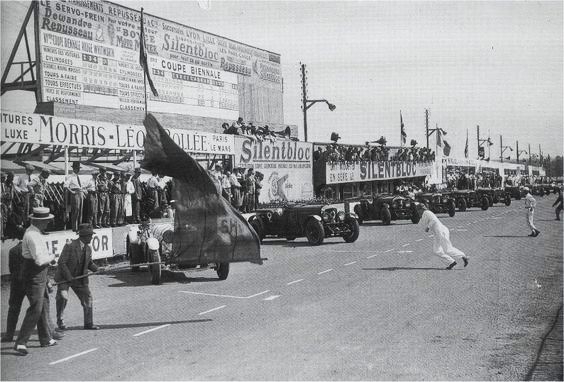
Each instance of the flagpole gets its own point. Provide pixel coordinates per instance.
(142, 35)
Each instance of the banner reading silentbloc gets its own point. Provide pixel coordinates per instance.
(365, 171)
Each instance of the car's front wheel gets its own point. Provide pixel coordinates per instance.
(259, 228)
(507, 200)
(315, 232)
(415, 216)
(222, 270)
(485, 203)
(462, 205)
(355, 231)
(155, 269)
(451, 208)
(386, 216)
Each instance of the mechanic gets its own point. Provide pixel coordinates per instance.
(530, 204)
(442, 246)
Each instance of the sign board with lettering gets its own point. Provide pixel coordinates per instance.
(89, 55)
(50, 130)
(286, 166)
(102, 243)
(365, 171)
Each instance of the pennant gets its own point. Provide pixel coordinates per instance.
(143, 57)
(446, 148)
(206, 227)
(403, 133)
(466, 147)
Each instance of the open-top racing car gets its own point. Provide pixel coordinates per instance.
(437, 202)
(469, 198)
(384, 207)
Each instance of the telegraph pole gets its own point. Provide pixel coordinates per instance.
(427, 126)
(501, 148)
(517, 146)
(530, 162)
(478, 135)
(304, 98)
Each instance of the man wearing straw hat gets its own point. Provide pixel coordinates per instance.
(442, 246)
(76, 260)
(73, 185)
(36, 261)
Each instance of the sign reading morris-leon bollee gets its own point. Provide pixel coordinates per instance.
(364, 171)
(286, 166)
(50, 130)
(89, 55)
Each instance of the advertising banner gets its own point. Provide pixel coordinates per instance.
(50, 130)
(286, 166)
(89, 53)
(102, 244)
(365, 171)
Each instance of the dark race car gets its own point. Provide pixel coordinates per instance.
(469, 198)
(495, 195)
(437, 202)
(384, 207)
(316, 222)
(516, 192)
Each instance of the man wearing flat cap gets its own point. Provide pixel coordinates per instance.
(74, 187)
(34, 275)
(37, 188)
(76, 260)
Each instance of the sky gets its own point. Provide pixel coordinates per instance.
(494, 64)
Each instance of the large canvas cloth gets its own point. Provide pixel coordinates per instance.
(206, 227)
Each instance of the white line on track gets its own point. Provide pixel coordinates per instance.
(295, 282)
(430, 235)
(419, 240)
(212, 310)
(369, 257)
(325, 271)
(389, 250)
(73, 356)
(461, 230)
(223, 295)
(405, 251)
(405, 245)
(351, 263)
(151, 330)
(270, 298)
(475, 221)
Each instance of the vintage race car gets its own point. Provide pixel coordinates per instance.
(437, 202)
(384, 207)
(316, 222)
(468, 199)
(495, 195)
(516, 192)
(151, 245)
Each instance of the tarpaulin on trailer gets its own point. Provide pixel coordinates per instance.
(206, 227)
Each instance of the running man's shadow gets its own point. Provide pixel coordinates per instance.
(507, 236)
(405, 269)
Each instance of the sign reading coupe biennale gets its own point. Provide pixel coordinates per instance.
(364, 171)
(89, 55)
(50, 130)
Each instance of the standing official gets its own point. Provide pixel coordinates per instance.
(442, 246)
(250, 182)
(115, 199)
(76, 260)
(530, 204)
(37, 188)
(136, 196)
(558, 204)
(102, 184)
(36, 261)
(128, 203)
(91, 189)
(153, 194)
(74, 187)
(17, 287)
(21, 185)
(236, 199)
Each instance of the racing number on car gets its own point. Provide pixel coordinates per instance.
(229, 226)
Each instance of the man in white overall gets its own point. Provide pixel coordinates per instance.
(530, 204)
(442, 246)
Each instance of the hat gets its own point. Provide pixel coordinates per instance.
(29, 167)
(85, 229)
(41, 213)
(76, 165)
(526, 189)
(46, 171)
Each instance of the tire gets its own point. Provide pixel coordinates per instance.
(490, 201)
(355, 231)
(507, 200)
(386, 216)
(222, 271)
(357, 210)
(259, 228)
(132, 254)
(415, 216)
(451, 208)
(315, 232)
(518, 197)
(496, 199)
(485, 203)
(462, 205)
(155, 269)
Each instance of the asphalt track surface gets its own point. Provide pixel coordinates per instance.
(382, 308)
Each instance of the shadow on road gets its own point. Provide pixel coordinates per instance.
(143, 324)
(129, 278)
(405, 269)
(506, 236)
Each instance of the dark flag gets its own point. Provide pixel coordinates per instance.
(206, 227)
(446, 148)
(403, 133)
(143, 57)
(439, 138)
(466, 147)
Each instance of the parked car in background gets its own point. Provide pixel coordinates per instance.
(384, 207)
(437, 202)
(469, 198)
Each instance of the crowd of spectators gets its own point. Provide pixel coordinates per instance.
(335, 152)
(260, 133)
(241, 187)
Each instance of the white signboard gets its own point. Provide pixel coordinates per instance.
(89, 53)
(102, 245)
(365, 171)
(50, 130)
(286, 165)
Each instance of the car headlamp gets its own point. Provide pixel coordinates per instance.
(341, 216)
(325, 216)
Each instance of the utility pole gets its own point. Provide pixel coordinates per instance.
(427, 126)
(517, 146)
(304, 99)
(530, 162)
(478, 135)
(501, 148)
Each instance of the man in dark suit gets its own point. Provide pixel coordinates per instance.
(76, 260)
(137, 195)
